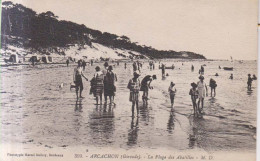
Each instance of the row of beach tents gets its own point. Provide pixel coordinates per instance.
(14, 58)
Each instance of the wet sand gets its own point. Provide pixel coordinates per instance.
(35, 111)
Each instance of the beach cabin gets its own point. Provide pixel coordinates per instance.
(46, 59)
(13, 58)
(50, 59)
(34, 58)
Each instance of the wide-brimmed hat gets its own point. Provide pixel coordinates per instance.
(106, 64)
(193, 84)
(136, 73)
(201, 77)
(97, 68)
(110, 68)
(173, 83)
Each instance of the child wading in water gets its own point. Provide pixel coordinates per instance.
(194, 96)
(134, 86)
(172, 90)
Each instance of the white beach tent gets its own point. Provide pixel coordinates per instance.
(14, 58)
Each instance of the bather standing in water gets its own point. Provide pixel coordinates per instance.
(99, 85)
(163, 70)
(213, 85)
(67, 62)
(203, 92)
(134, 87)
(109, 85)
(249, 82)
(172, 91)
(194, 96)
(77, 78)
(231, 77)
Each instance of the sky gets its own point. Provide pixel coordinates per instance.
(216, 29)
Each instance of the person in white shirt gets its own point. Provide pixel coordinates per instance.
(172, 91)
(203, 92)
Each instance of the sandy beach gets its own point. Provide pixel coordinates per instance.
(36, 112)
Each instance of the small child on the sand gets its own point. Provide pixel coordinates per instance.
(172, 90)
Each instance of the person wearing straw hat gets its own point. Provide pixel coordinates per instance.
(134, 87)
(203, 92)
(194, 96)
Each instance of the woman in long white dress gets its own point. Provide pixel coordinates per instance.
(203, 92)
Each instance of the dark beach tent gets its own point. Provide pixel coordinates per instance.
(13, 58)
(46, 59)
(34, 59)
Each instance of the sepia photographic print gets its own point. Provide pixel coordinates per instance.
(128, 80)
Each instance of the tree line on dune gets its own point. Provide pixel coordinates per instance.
(44, 30)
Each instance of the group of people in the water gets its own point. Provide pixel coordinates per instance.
(103, 83)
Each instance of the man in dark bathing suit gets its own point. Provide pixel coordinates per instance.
(77, 78)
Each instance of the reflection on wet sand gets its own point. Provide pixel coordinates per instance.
(249, 92)
(78, 105)
(171, 123)
(101, 123)
(144, 111)
(197, 134)
(133, 132)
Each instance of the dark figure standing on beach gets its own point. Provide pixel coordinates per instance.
(84, 65)
(67, 62)
(99, 84)
(219, 67)
(231, 77)
(203, 92)
(201, 70)
(150, 65)
(163, 70)
(146, 85)
(134, 67)
(213, 85)
(77, 78)
(106, 68)
(194, 96)
(192, 68)
(91, 62)
(134, 87)
(138, 66)
(249, 82)
(109, 85)
(117, 63)
(172, 91)
(33, 62)
(125, 65)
